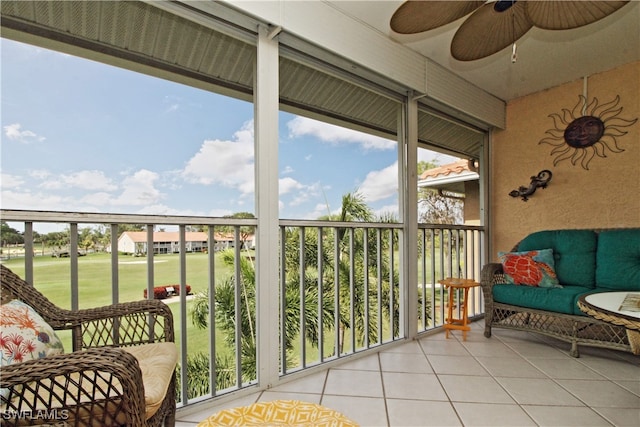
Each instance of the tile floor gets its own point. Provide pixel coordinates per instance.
(512, 379)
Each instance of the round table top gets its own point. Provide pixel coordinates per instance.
(612, 302)
(611, 307)
(456, 282)
(279, 413)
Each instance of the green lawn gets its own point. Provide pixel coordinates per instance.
(52, 278)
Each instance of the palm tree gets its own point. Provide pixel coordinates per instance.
(311, 293)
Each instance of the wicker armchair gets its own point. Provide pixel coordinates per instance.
(99, 382)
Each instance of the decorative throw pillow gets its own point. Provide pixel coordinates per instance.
(24, 335)
(531, 268)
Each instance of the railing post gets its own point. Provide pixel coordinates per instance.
(408, 154)
(266, 105)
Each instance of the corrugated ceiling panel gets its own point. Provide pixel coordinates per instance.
(303, 85)
(151, 32)
(436, 131)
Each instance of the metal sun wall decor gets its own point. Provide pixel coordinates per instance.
(586, 131)
(538, 181)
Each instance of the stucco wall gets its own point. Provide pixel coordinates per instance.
(606, 195)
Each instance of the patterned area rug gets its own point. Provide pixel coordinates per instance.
(279, 413)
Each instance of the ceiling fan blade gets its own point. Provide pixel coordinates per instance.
(563, 15)
(489, 30)
(418, 16)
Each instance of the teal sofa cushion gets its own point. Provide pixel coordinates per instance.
(559, 300)
(618, 260)
(574, 252)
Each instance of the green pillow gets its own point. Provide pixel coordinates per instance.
(619, 260)
(574, 252)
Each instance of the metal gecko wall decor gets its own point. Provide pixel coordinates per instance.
(538, 181)
(586, 131)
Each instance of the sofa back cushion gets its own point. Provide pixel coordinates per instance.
(574, 253)
(618, 260)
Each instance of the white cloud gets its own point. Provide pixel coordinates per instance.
(287, 170)
(302, 126)
(320, 210)
(11, 181)
(36, 201)
(380, 184)
(92, 180)
(229, 163)
(139, 189)
(288, 184)
(15, 133)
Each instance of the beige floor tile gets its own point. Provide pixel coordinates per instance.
(516, 367)
(514, 378)
(354, 383)
(313, 383)
(565, 416)
(412, 386)
(366, 411)
(405, 362)
(614, 369)
(632, 385)
(530, 349)
(367, 363)
(537, 391)
(489, 348)
(448, 347)
(421, 413)
(492, 415)
(456, 365)
(602, 394)
(622, 417)
(408, 347)
(566, 368)
(461, 388)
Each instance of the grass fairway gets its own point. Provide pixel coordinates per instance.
(52, 278)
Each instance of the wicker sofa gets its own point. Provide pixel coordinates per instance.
(120, 371)
(586, 261)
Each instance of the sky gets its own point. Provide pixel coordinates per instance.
(81, 136)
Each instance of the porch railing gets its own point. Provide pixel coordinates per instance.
(341, 286)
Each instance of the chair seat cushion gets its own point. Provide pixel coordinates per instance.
(157, 363)
(559, 300)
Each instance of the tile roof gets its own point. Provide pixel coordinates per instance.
(456, 168)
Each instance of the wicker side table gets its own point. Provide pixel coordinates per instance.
(452, 284)
(606, 306)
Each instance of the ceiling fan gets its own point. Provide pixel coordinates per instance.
(494, 25)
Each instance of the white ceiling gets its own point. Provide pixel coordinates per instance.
(545, 58)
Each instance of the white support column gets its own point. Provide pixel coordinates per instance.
(410, 213)
(266, 95)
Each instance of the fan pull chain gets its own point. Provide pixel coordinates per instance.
(514, 53)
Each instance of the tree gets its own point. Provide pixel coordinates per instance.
(9, 235)
(302, 289)
(435, 208)
(245, 231)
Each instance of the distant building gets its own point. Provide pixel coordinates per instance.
(167, 242)
(459, 180)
